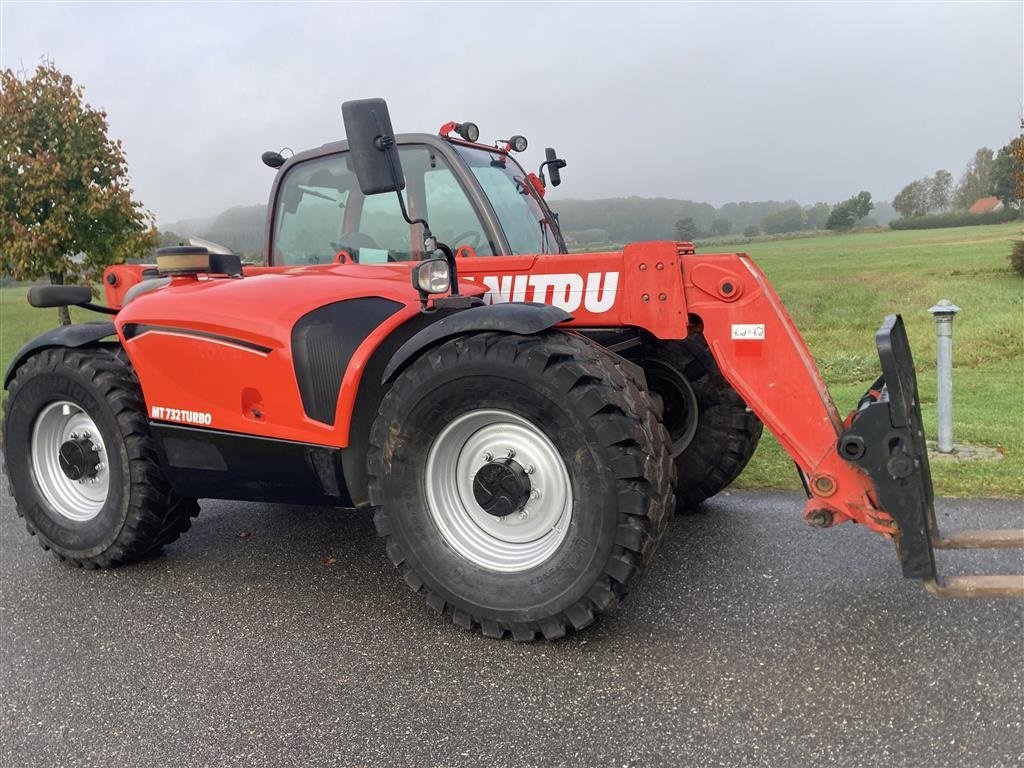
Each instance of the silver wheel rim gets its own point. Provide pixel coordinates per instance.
(78, 500)
(518, 541)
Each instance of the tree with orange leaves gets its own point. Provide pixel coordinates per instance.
(66, 207)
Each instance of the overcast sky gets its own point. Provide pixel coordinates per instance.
(713, 102)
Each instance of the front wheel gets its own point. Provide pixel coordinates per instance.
(521, 483)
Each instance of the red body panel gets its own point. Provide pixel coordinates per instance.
(119, 278)
(640, 286)
(240, 387)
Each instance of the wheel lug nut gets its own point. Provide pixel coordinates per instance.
(86, 434)
(73, 435)
(534, 494)
(100, 466)
(95, 448)
(529, 469)
(523, 515)
(487, 457)
(510, 453)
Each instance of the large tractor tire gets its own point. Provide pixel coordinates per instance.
(80, 461)
(713, 433)
(522, 483)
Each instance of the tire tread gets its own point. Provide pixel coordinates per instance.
(156, 516)
(635, 442)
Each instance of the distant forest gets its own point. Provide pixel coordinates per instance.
(620, 220)
(612, 221)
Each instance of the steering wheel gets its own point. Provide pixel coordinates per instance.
(469, 234)
(351, 242)
(355, 240)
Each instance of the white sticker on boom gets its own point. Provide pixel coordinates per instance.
(748, 331)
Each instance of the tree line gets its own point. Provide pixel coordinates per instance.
(988, 174)
(623, 220)
(608, 221)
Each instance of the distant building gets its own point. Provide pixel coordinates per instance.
(987, 205)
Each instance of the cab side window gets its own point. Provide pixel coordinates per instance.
(320, 211)
(382, 229)
(451, 216)
(311, 211)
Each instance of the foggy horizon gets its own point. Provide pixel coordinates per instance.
(711, 103)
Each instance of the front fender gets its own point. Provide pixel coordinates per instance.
(66, 336)
(523, 319)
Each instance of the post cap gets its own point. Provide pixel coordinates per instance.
(945, 308)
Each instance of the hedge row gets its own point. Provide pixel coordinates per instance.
(957, 219)
(1017, 257)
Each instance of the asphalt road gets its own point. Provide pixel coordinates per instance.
(279, 636)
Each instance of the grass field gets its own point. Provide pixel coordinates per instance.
(19, 322)
(838, 289)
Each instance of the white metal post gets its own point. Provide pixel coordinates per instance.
(944, 312)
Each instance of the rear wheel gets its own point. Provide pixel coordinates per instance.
(521, 483)
(80, 461)
(713, 434)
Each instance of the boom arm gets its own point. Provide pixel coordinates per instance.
(872, 467)
(762, 355)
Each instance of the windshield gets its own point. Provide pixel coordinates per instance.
(523, 217)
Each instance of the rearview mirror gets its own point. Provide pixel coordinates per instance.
(371, 144)
(554, 165)
(58, 295)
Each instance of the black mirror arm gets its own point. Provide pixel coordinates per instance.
(558, 163)
(98, 308)
(383, 143)
(453, 270)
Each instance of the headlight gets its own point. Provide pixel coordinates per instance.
(432, 276)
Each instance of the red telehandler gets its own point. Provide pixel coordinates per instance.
(521, 419)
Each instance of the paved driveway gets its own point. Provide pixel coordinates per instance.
(274, 635)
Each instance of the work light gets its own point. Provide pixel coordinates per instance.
(468, 131)
(431, 276)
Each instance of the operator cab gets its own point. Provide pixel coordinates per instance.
(478, 200)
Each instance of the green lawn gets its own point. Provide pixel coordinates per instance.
(838, 289)
(19, 322)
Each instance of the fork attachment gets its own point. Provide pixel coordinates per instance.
(886, 440)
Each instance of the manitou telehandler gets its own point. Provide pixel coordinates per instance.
(521, 419)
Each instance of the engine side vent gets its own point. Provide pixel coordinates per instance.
(323, 342)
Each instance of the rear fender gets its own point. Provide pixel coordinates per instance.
(71, 336)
